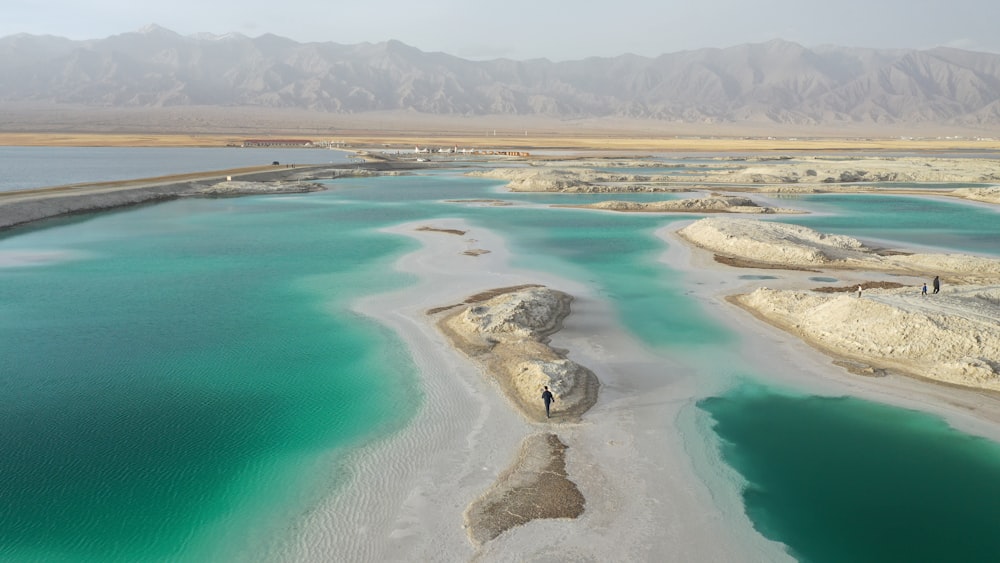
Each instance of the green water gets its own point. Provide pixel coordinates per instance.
(840, 479)
(172, 379)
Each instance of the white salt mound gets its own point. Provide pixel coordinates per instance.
(952, 337)
(796, 246)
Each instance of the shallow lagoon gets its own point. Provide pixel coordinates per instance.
(183, 363)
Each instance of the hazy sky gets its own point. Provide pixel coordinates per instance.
(523, 29)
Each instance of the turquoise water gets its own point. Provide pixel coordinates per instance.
(840, 479)
(171, 379)
(949, 225)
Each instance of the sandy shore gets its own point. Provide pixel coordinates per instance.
(805, 354)
(627, 455)
(948, 337)
(641, 458)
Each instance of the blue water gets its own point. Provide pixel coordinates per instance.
(38, 167)
(174, 370)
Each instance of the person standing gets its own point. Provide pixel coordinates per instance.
(548, 397)
(937, 284)
(859, 291)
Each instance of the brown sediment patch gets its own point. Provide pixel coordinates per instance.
(862, 369)
(437, 230)
(476, 252)
(864, 286)
(483, 296)
(736, 262)
(491, 293)
(535, 486)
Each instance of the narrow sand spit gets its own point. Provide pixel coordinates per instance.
(507, 332)
(24, 206)
(408, 496)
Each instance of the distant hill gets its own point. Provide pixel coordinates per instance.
(773, 82)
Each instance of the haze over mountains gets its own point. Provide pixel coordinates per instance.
(773, 82)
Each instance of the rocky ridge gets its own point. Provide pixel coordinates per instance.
(788, 84)
(508, 334)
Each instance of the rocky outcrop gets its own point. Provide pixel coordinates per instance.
(508, 334)
(25, 206)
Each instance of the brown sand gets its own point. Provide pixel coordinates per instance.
(535, 486)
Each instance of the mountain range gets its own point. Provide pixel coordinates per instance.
(772, 82)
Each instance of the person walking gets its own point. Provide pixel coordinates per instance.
(548, 397)
(923, 290)
(937, 284)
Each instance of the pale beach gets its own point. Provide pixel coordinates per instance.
(652, 494)
(628, 468)
(646, 491)
(642, 490)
